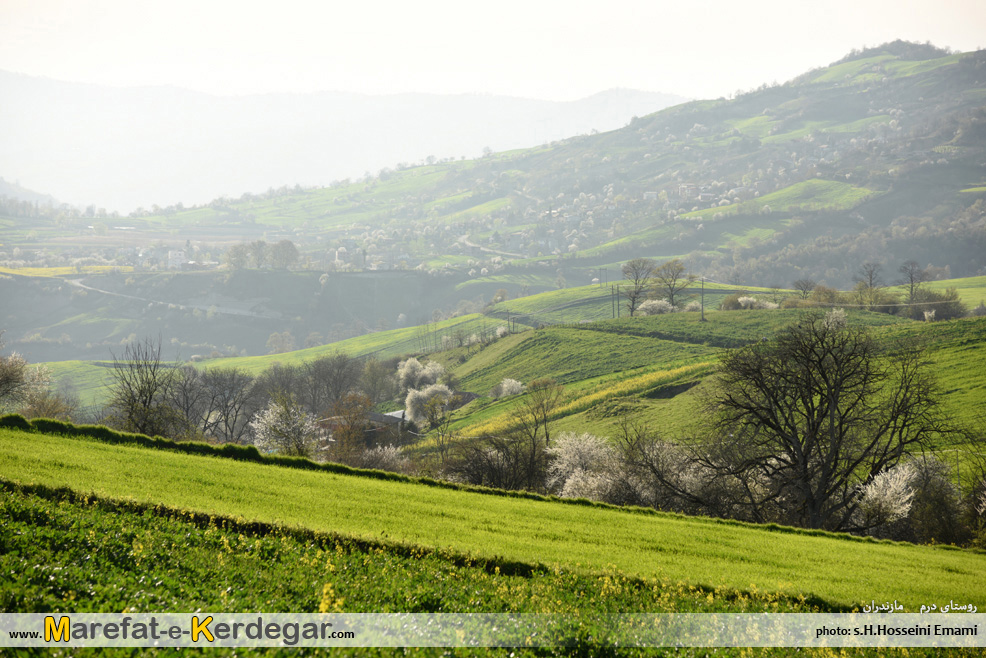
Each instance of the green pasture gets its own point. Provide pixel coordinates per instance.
(382, 344)
(972, 290)
(837, 569)
(106, 554)
(89, 380)
(809, 195)
(569, 354)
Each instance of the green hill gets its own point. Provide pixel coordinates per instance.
(866, 151)
(876, 158)
(836, 570)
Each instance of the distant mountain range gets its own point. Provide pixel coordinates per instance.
(121, 148)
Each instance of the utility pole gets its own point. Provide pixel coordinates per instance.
(703, 300)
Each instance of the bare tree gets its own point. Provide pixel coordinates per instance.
(258, 253)
(537, 405)
(279, 379)
(804, 287)
(378, 381)
(672, 279)
(638, 274)
(869, 274)
(504, 462)
(350, 423)
(283, 254)
(445, 436)
(141, 390)
(913, 276)
(231, 400)
(328, 379)
(188, 396)
(816, 413)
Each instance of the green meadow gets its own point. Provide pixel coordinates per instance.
(838, 570)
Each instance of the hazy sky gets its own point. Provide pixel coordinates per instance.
(549, 49)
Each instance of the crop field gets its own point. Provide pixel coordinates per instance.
(270, 569)
(836, 570)
(89, 380)
(596, 302)
(72, 553)
(724, 328)
(585, 401)
(64, 272)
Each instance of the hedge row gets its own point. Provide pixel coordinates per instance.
(241, 453)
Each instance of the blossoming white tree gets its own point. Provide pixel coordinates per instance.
(285, 427)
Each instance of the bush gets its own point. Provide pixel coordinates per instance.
(49, 426)
(939, 305)
(384, 458)
(656, 307)
(506, 388)
(693, 307)
(15, 421)
(731, 303)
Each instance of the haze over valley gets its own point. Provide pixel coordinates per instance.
(475, 336)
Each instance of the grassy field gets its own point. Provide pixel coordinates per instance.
(106, 552)
(972, 290)
(815, 194)
(72, 554)
(382, 344)
(654, 368)
(840, 571)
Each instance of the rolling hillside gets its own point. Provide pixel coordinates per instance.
(651, 547)
(876, 146)
(877, 158)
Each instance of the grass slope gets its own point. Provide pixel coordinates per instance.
(837, 569)
(106, 553)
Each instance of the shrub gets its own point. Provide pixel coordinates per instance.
(49, 426)
(384, 458)
(693, 306)
(656, 307)
(576, 457)
(887, 497)
(15, 421)
(506, 388)
(750, 303)
(935, 515)
(945, 305)
(731, 303)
